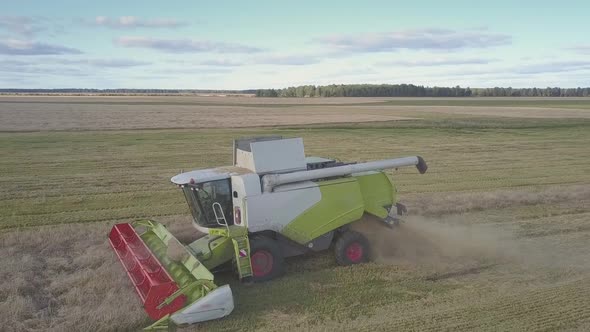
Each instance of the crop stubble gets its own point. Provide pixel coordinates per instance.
(497, 239)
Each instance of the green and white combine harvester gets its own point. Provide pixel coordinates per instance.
(273, 203)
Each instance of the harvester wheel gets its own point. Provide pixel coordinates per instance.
(266, 258)
(351, 248)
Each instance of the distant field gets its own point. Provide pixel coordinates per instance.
(497, 240)
(33, 113)
(557, 102)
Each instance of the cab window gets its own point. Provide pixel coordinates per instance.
(201, 197)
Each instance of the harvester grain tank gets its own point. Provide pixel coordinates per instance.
(274, 202)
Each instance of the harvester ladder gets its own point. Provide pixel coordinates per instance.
(242, 251)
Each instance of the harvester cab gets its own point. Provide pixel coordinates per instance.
(272, 203)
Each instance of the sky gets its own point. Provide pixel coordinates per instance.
(274, 44)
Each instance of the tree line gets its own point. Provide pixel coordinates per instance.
(411, 90)
(338, 90)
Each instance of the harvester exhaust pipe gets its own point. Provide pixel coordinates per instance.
(270, 181)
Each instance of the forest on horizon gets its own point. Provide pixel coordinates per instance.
(337, 90)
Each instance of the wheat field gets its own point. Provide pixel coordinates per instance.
(496, 238)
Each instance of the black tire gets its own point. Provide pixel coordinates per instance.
(352, 248)
(266, 258)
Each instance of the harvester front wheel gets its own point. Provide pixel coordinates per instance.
(266, 259)
(351, 248)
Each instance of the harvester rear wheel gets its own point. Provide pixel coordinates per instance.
(266, 258)
(352, 248)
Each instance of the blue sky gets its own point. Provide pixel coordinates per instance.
(257, 44)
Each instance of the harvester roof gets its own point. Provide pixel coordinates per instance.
(207, 175)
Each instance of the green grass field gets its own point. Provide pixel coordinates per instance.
(497, 239)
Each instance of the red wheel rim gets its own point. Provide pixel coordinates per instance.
(354, 252)
(262, 262)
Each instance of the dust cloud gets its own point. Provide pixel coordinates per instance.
(445, 235)
(453, 243)
(426, 241)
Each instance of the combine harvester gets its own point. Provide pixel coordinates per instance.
(273, 203)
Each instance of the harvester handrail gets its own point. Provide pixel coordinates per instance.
(216, 206)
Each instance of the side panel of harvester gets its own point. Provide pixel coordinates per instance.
(341, 203)
(378, 191)
(307, 210)
(275, 210)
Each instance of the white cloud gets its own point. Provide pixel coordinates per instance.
(419, 39)
(27, 26)
(57, 66)
(184, 45)
(433, 62)
(105, 63)
(220, 63)
(132, 22)
(268, 59)
(582, 49)
(21, 25)
(27, 47)
(553, 67)
(288, 60)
